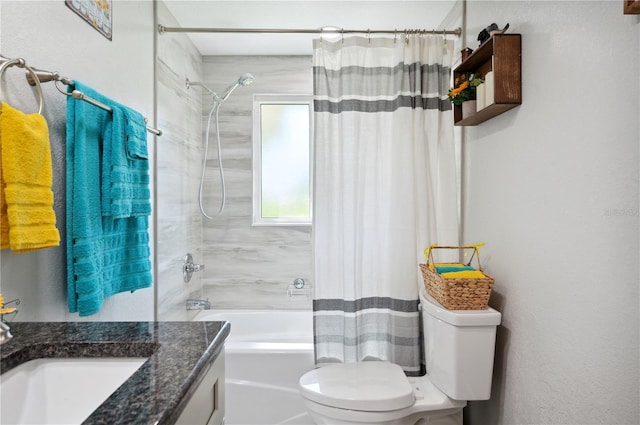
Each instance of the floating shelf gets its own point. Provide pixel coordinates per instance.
(632, 7)
(502, 55)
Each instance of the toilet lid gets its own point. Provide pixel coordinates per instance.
(373, 386)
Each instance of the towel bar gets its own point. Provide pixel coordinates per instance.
(36, 76)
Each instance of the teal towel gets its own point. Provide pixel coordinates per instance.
(105, 255)
(125, 172)
(448, 269)
(136, 132)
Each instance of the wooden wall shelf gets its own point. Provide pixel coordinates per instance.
(632, 7)
(502, 55)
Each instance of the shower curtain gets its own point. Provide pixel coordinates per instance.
(385, 189)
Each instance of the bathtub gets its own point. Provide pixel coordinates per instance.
(266, 353)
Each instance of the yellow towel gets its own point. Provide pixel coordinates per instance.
(4, 220)
(26, 202)
(468, 274)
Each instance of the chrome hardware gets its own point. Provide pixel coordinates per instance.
(189, 268)
(36, 76)
(298, 288)
(20, 63)
(198, 304)
(46, 76)
(5, 333)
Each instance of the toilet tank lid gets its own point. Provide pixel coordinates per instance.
(488, 317)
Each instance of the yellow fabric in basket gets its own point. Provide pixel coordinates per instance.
(468, 274)
(433, 266)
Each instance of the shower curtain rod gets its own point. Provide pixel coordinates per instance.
(326, 30)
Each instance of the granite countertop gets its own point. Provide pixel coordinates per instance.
(178, 352)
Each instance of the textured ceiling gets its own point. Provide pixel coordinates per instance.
(350, 14)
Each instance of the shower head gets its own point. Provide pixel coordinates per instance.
(246, 79)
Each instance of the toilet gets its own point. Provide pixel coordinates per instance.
(459, 349)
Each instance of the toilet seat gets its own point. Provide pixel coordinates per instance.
(374, 386)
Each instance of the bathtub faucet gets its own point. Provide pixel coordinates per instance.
(198, 304)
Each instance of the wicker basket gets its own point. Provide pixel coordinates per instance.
(457, 293)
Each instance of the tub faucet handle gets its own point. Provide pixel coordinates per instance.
(189, 268)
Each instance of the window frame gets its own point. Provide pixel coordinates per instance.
(277, 99)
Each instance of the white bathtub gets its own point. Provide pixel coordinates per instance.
(266, 353)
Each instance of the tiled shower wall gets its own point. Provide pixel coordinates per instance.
(249, 267)
(245, 266)
(178, 159)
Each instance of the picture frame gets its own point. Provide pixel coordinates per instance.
(97, 13)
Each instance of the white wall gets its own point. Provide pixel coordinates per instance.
(48, 35)
(552, 187)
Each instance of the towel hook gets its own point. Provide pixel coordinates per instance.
(20, 63)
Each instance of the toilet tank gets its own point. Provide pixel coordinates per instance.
(459, 347)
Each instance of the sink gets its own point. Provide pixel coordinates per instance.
(61, 391)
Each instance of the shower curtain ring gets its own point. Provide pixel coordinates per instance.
(369, 34)
(342, 35)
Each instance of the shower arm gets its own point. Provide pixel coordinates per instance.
(244, 80)
(214, 95)
(189, 84)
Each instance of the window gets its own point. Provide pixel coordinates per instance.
(282, 129)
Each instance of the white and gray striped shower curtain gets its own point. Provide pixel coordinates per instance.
(385, 188)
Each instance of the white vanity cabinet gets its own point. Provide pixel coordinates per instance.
(206, 406)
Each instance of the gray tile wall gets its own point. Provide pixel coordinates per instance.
(249, 267)
(246, 267)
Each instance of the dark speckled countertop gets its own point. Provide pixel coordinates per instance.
(179, 353)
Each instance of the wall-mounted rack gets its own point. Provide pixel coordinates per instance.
(632, 7)
(501, 54)
(36, 76)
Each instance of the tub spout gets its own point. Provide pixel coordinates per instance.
(198, 304)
